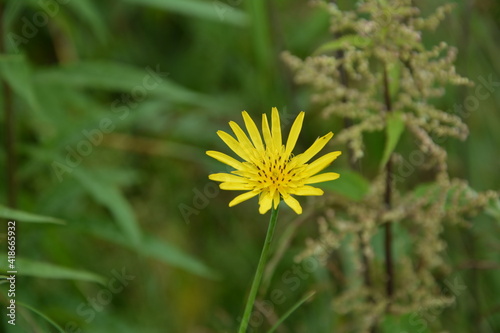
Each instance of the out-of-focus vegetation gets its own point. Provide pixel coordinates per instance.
(108, 108)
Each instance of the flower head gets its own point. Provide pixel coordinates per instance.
(269, 168)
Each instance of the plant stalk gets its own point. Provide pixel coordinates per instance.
(389, 265)
(260, 270)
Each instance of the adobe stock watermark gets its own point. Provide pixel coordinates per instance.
(120, 110)
(202, 196)
(201, 199)
(482, 91)
(292, 280)
(454, 288)
(97, 303)
(222, 7)
(31, 26)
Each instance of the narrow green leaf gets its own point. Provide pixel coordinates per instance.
(156, 248)
(110, 196)
(112, 76)
(41, 314)
(394, 72)
(211, 10)
(394, 129)
(12, 11)
(20, 216)
(28, 267)
(172, 255)
(291, 310)
(342, 42)
(351, 185)
(16, 70)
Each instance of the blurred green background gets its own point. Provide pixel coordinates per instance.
(108, 108)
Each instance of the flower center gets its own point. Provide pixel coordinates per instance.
(272, 174)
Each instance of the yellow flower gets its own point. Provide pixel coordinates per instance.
(269, 168)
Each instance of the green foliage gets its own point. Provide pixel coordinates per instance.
(115, 203)
(351, 185)
(27, 267)
(394, 128)
(14, 214)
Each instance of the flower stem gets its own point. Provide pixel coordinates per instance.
(260, 270)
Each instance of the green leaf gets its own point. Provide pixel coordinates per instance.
(394, 73)
(12, 11)
(20, 216)
(110, 196)
(111, 76)
(16, 71)
(155, 248)
(343, 42)
(211, 10)
(394, 129)
(351, 185)
(28, 267)
(41, 314)
(291, 310)
(425, 189)
(172, 255)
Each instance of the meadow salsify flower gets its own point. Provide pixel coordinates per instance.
(269, 169)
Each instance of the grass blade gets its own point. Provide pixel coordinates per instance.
(20, 216)
(291, 310)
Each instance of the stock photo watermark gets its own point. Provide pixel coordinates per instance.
(292, 280)
(202, 196)
(120, 108)
(88, 310)
(32, 25)
(454, 287)
(483, 90)
(200, 201)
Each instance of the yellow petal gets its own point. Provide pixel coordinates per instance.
(276, 199)
(276, 128)
(265, 202)
(253, 131)
(266, 132)
(307, 190)
(294, 133)
(324, 177)
(293, 203)
(226, 159)
(226, 177)
(314, 149)
(321, 163)
(240, 135)
(242, 197)
(235, 146)
(246, 144)
(235, 187)
(247, 173)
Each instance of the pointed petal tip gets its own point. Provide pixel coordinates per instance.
(293, 204)
(263, 210)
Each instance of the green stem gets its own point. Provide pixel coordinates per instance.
(260, 270)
